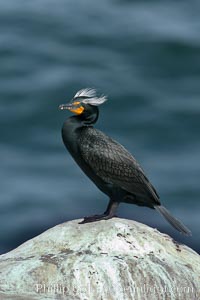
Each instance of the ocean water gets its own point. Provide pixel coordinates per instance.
(145, 55)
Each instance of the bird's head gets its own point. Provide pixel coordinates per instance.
(84, 102)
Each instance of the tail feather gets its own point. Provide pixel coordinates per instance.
(172, 220)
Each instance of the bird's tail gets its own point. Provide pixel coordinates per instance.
(172, 220)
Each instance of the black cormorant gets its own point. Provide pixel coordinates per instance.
(107, 163)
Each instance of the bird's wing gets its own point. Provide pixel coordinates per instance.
(113, 163)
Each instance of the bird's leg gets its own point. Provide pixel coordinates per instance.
(108, 214)
(111, 208)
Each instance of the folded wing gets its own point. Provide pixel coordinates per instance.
(114, 164)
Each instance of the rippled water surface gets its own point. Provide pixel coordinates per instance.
(145, 55)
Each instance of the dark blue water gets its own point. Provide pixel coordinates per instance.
(145, 55)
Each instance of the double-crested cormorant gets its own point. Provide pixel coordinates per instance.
(107, 163)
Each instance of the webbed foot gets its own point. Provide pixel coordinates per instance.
(95, 218)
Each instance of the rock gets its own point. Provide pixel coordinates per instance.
(115, 259)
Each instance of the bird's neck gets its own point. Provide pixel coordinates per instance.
(72, 125)
(72, 129)
(75, 122)
(89, 117)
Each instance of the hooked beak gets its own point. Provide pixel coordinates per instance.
(65, 106)
(74, 107)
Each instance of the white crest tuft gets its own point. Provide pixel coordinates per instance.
(89, 97)
(88, 92)
(95, 101)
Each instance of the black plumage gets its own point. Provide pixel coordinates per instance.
(107, 163)
(115, 165)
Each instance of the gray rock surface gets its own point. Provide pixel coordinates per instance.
(116, 259)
